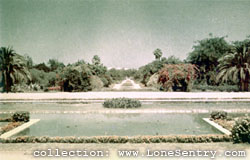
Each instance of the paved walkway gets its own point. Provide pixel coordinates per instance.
(206, 96)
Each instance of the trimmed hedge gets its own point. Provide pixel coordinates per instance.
(218, 115)
(21, 116)
(10, 126)
(122, 139)
(7, 119)
(241, 131)
(122, 103)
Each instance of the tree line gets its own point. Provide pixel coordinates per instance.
(213, 62)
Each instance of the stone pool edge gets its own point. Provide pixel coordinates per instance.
(19, 129)
(217, 126)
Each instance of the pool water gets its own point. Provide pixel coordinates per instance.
(132, 124)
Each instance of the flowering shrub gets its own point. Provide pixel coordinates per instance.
(177, 76)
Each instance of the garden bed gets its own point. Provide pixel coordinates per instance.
(121, 139)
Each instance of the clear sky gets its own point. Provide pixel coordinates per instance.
(124, 33)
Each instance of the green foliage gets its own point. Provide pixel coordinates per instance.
(221, 88)
(218, 115)
(172, 60)
(148, 70)
(76, 78)
(236, 67)
(44, 79)
(116, 75)
(25, 88)
(122, 103)
(106, 79)
(29, 61)
(14, 68)
(96, 82)
(97, 69)
(177, 76)
(21, 116)
(157, 53)
(145, 72)
(121, 139)
(42, 67)
(55, 65)
(96, 60)
(206, 54)
(241, 131)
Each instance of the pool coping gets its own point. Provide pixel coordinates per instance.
(19, 129)
(143, 96)
(217, 126)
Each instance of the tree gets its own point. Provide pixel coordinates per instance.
(206, 54)
(158, 54)
(42, 66)
(14, 68)
(29, 61)
(55, 64)
(236, 67)
(96, 60)
(171, 60)
(76, 78)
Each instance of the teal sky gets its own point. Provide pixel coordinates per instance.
(124, 33)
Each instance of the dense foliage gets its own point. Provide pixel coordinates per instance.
(236, 67)
(218, 66)
(175, 77)
(76, 78)
(122, 103)
(241, 131)
(218, 115)
(206, 54)
(14, 68)
(21, 116)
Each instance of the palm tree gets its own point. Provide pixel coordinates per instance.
(13, 67)
(236, 67)
(157, 54)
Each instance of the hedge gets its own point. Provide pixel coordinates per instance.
(122, 103)
(10, 126)
(122, 139)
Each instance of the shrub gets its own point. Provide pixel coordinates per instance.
(121, 139)
(76, 78)
(221, 88)
(7, 119)
(21, 116)
(10, 126)
(96, 82)
(173, 77)
(122, 103)
(218, 115)
(241, 131)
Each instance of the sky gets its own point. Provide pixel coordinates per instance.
(124, 33)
